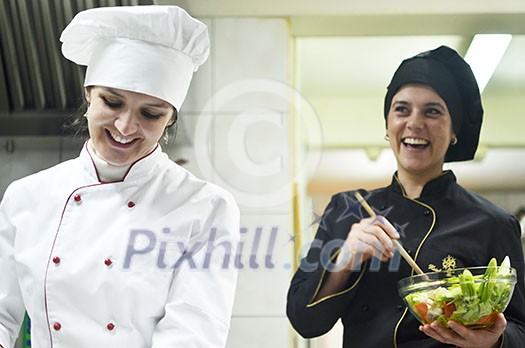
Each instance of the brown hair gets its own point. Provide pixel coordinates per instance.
(77, 124)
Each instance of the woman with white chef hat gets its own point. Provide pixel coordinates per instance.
(121, 247)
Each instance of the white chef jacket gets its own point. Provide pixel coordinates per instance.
(144, 262)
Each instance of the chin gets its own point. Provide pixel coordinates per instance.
(415, 167)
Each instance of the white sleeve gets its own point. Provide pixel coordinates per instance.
(200, 302)
(11, 304)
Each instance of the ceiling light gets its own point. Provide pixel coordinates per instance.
(484, 54)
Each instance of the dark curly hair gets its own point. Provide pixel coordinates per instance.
(76, 124)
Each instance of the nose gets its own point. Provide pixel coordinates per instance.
(416, 120)
(126, 123)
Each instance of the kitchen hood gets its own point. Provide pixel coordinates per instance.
(39, 88)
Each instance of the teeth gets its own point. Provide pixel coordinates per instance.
(415, 141)
(119, 139)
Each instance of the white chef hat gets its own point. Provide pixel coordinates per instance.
(152, 50)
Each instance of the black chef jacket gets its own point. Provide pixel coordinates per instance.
(446, 227)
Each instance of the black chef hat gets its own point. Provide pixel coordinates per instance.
(450, 76)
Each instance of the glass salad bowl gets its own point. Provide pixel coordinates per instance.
(470, 296)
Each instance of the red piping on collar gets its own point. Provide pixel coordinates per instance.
(127, 172)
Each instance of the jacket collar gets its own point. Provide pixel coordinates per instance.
(433, 187)
(138, 169)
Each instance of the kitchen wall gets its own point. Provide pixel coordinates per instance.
(23, 156)
(249, 154)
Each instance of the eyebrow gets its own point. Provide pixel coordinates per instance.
(161, 104)
(435, 104)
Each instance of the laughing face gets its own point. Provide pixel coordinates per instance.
(420, 130)
(124, 126)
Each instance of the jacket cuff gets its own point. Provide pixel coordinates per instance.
(354, 280)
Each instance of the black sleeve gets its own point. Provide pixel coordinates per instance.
(508, 242)
(314, 318)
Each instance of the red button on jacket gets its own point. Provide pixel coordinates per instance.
(56, 260)
(57, 326)
(77, 198)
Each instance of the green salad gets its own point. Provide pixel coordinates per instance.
(472, 300)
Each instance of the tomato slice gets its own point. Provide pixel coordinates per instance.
(487, 319)
(422, 310)
(448, 309)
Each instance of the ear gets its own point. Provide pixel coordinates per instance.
(173, 119)
(87, 94)
(454, 139)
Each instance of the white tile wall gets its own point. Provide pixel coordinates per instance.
(250, 48)
(236, 113)
(249, 142)
(251, 158)
(250, 107)
(179, 151)
(267, 259)
(255, 332)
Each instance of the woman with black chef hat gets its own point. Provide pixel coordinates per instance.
(433, 115)
(112, 249)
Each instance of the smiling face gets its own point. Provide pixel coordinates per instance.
(420, 130)
(124, 126)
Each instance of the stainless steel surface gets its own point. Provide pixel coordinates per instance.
(35, 79)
